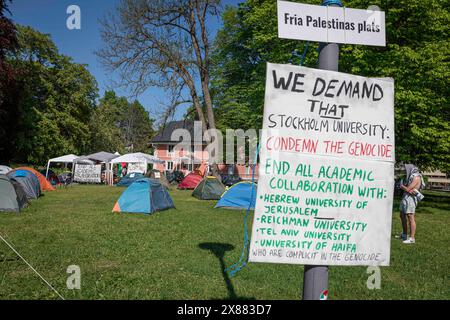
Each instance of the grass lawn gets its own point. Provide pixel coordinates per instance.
(176, 254)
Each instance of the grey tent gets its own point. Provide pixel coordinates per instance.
(28, 181)
(210, 188)
(129, 179)
(161, 176)
(12, 196)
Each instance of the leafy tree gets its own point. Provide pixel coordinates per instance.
(416, 56)
(164, 44)
(248, 39)
(118, 125)
(137, 127)
(9, 86)
(56, 102)
(105, 124)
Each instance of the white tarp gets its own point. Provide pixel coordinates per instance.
(68, 158)
(137, 162)
(137, 157)
(326, 174)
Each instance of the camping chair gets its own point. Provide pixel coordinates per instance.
(65, 179)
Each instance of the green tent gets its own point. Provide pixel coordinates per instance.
(210, 188)
(12, 196)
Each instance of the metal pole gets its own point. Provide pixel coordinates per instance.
(315, 279)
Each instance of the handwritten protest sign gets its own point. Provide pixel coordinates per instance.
(140, 167)
(326, 175)
(88, 173)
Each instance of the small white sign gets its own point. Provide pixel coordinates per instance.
(331, 24)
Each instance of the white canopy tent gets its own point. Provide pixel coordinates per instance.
(187, 159)
(102, 157)
(68, 158)
(137, 157)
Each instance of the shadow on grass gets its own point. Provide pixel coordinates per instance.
(4, 258)
(219, 249)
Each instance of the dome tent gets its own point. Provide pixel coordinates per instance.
(129, 179)
(160, 176)
(190, 181)
(144, 196)
(43, 182)
(210, 188)
(28, 181)
(12, 196)
(239, 196)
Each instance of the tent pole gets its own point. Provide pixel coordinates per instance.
(46, 173)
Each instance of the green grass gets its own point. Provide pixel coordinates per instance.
(172, 255)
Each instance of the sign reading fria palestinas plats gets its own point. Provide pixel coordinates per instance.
(331, 24)
(326, 174)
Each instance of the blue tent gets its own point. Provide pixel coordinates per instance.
(239, 196)
(129, 179)
(29, 182)
(144, 196)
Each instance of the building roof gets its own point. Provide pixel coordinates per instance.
(165, 134)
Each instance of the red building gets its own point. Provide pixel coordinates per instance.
(190, 157)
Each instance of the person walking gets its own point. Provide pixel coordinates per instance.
(411, 197)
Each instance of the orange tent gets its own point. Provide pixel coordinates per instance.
(45, 184)
(202, 169)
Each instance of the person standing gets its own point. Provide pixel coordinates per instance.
(411, 197)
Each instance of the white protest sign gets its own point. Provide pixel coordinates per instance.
(326, 175)
(89, 173)
(331, 24)
(140, 167)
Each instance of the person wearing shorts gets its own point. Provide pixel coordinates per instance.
(409, 202)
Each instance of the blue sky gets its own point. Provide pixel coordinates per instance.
(49, 16)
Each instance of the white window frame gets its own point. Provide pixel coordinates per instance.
(168, 165)
(170, 152)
